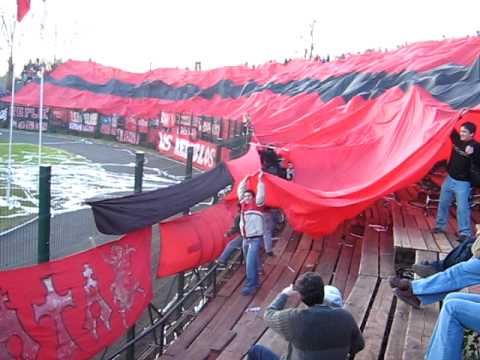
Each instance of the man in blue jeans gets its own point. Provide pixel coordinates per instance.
(457, 183)
(459, 311)
(434, 288)
(252, 229)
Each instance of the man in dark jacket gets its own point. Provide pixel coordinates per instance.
(318, 332)
(457, 183)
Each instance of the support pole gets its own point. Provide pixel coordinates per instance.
(139, 162)
(181, 275)
(43, 246)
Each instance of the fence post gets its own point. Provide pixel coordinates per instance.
(139, 161)
(43, 245)
(218, 158)
(181, 274)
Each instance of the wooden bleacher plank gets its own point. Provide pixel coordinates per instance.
(377, 323)
(343, 267)
(386, 255)
(311, 261)
(354, 267)
(274, 342)
(328, 257)
(318, 244)
(419, 330)
(443, 244)
(425, 230)
(396, 340)
(197, 326)
(281, 245)
(400, 235)
(369, 258)
(359, 298)
(305, 242)
(416, 237)
(222, 340)
(432, 245)
(420, 321)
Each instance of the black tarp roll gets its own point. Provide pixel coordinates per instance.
(121, 215)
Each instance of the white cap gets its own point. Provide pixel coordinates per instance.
(333, 296)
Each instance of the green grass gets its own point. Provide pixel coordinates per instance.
(26, 155)
(11, 217)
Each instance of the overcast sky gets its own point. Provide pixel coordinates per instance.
(134, 35)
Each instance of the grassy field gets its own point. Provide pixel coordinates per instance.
(23, 201)
(27, 154)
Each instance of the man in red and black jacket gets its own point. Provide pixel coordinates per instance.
(252, 229)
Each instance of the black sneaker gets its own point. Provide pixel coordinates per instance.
(269, 253)
(463, 238)
(424, 270)
(437, 230)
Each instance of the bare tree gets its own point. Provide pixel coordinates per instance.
(312, 28)
(7, 31)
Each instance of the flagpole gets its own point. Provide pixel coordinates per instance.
(10, 138)
(42, 86)
(40, 123)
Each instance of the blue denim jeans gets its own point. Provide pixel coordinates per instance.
(434, 288)
(252, 261)
(268, 229)
(259, 352)
(459, 311)
(461, 190)
(230, 248)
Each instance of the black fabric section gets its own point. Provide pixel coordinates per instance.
(456, 85)
(121, 215)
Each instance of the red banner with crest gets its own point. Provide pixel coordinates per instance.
(75, 307)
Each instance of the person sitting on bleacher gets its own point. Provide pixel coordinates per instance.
(321, 331)
(435, 287)
(457, 183)
(234, 244)
(460, 311)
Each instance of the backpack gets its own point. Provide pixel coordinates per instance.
(461, 252)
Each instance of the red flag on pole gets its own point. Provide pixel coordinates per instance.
(23, 6)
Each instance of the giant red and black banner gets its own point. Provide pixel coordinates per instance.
(194, 240)
(74, 307)
(355, 129)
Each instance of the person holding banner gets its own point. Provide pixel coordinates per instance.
(252, 229)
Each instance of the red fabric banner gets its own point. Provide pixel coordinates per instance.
(193, 240)
(204, 153)
(354, 129)
(23, 6)
(75, 307)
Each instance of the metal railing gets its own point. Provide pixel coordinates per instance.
(169, 319)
